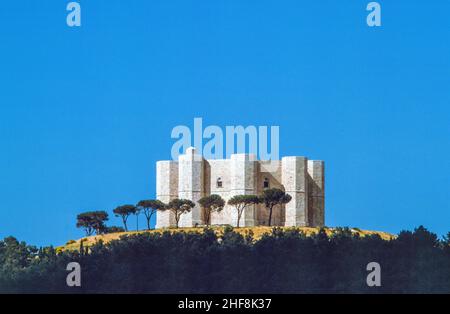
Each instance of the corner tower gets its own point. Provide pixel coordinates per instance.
(191, 185)
(243, 182)
(166, 190)
(294, 179)
(316, 193)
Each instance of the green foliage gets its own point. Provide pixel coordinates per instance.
(243, 199)
(272, 198)
(284, 261)
(447, 239)
(114, 229)
(150, 207)
(241, 202)
(179, 207)
(228, 229)
(210, 204)
(124, 212)
(92, 221)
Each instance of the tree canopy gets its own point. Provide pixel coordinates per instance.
(150, 207)
(178, 207)
(124, 212)
(92, 221)
(209, 204)
(272, 198)
(241, 202)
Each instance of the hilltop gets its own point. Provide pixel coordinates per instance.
(220, 260)
(258, 232)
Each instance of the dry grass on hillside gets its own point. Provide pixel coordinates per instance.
(257, 234)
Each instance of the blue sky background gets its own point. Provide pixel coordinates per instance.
(85, 113)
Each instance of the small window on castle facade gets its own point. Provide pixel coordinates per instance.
(266, 183)
(219, 183)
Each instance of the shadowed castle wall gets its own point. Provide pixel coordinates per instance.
(270, 170)
(316, 186)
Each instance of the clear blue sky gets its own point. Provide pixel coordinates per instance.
(85, 113)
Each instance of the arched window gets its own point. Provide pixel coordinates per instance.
(266, 183)
(219, 182)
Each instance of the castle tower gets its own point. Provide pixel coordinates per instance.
(316, 186)
(191, 185)
(243, 182)
(166, 190)
(294, 179)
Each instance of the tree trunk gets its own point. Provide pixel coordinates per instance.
(125, 223)
(148, 216)
(148, 222)
(239, 217)
(177, 218)
(208, 218)
(270, 216)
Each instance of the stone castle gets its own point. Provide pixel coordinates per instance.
(193, 177)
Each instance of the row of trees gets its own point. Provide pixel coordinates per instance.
(94, 221)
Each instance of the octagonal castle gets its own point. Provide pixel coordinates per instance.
(193, 177)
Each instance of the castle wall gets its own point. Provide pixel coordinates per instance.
(193, 177)
(166, 190)
(316, 186)
(271, 170)
(294, 180)
(243, 182)
(191, 185)
(238, 175)
(219, 168)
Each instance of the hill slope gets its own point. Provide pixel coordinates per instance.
(258, 232)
